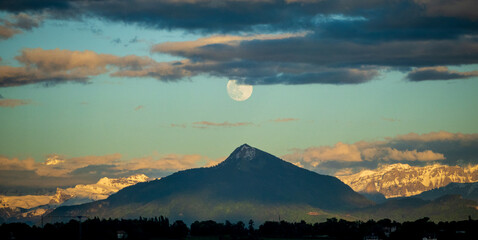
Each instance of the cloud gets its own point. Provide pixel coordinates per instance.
(205, 124)
(414, 149)
(301, 41)
(311, 58)
(172, 162)
(387, 154)
(219, 16)
(441, 136)
(438, 73)
(15, 23)
(390, 119)
(314, 156)
(450, 8)
(138, 108)
(7, 32)
(195, 48)
(332, 53)
(11, 103)
(16, 164)
(59, 166)
(57, 66)
(57, 170)
(285, 119)
(234, 15)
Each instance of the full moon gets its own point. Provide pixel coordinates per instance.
(238, 92)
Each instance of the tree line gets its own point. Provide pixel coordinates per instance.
(162, 228)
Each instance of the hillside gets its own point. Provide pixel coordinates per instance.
(249, 184)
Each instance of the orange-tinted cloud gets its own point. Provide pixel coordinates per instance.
(173, 162)
(438, 73)
(403, 148)
(223, 124)
(16, 164)
(190, 48)
(56, 66)
(11, 103)
(285, 119)
(17, 23)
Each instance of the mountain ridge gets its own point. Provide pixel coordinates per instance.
(29, 207)
(403, 180)
(248, 177)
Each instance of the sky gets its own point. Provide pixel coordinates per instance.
(112, 88)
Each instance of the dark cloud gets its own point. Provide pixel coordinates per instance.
(233, 15)
(306, 58)
(134, 40)
(311, 49)
(335, 41)
(338, 76)
(33, 5)
(116, 41)
(217, 15)
(438, 73)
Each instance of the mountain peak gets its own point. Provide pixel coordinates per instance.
(244, 152)
(246, 156)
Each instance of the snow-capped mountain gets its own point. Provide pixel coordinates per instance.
(36, 205)
(92, 192)
(403, 180)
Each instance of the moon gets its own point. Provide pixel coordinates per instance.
(238, 92)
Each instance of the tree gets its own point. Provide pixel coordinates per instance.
(251, 227)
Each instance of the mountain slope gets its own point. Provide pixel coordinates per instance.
(250, 183)
(466, 190)
(446, 208)
(403, 180)
(28, 207)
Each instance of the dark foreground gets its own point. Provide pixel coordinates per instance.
(161, 228)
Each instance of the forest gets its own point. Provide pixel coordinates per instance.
(162, 228)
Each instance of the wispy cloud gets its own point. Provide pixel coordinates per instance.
(178, 125)
(390, 119)
(11, 103)
(17, 23)
(438, 73)
(278, 120)
(206, 124)
(138, 107)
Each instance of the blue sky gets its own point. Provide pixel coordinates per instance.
(300, 99)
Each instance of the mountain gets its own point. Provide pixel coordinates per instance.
(92, 192)
(403, 180)
(445, 208)
(31, 206)
(466, 190)
(249, 184)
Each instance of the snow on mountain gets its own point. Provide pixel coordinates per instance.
(27, 201)
(70, 196)
(403, 180)
(98, 191)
